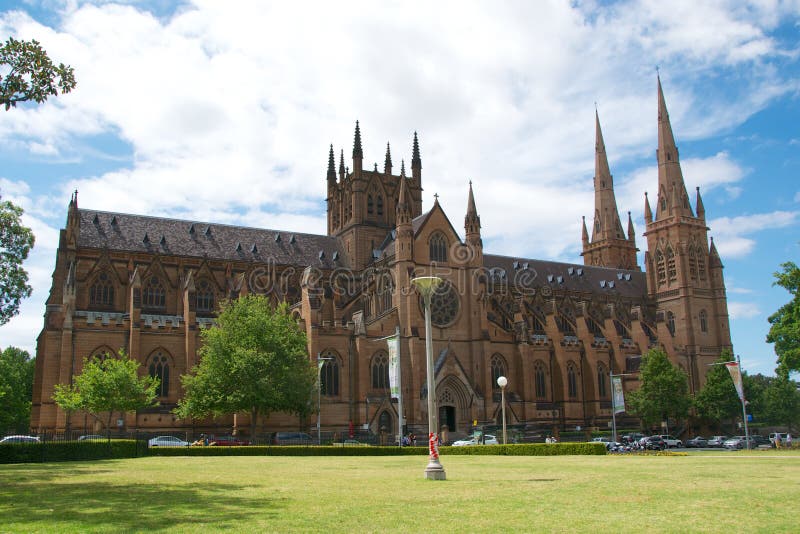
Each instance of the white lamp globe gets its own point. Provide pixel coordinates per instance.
(502, 381)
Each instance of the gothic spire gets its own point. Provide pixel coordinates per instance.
(331, 167)
(341, 166)
(416, 161)
(585, 235)
(631, 233)
(357, 152)
(387, 165)
(714, 259)
(648, 214)
(403, 168)
(403, 203)
(605, 203)
(701, 210)
(669, 168)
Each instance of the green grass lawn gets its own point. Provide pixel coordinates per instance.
(722, 492)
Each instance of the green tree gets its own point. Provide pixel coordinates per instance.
(253, 360)
(16, 390)
(718, 400)
(16, 241)
(107, 386)
(31, 75)
(664, 390)
(785, 329)
(782, 403)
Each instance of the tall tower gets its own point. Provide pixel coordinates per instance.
(609, 247)
(684, 273)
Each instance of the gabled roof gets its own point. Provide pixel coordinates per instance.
(572, 277)
(419, 222)
(157, 235)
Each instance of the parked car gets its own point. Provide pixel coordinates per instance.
(717, 441)
(654, 443)
(167, 441)
(632, 438)
(20, 439)
(228, 441)
(759, 441)
(697, 442)
(671, 441)
(476, 440)
(736, 442)
(601, 439)
(91, 437)
(292, 438)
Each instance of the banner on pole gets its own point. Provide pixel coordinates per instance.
(619, 395)
(736, 375)
(394, 366)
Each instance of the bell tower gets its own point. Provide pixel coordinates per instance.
(684, 273)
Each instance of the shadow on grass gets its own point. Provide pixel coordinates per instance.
(142, 506)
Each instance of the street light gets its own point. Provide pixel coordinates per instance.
(320, 362)
(503, 382)
(426, 285)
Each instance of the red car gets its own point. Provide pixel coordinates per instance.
(228, 441)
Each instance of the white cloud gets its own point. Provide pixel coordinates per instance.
(742, 310)
(731, 232)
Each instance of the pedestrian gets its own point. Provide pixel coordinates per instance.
(788, 441)
(777, 441)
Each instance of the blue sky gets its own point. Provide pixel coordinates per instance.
(224, 111)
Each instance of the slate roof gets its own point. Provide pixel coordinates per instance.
(125, 232)
(539, 273)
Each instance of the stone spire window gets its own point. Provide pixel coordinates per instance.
(153, 295)
(101, 294)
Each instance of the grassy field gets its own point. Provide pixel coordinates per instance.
(713, 492)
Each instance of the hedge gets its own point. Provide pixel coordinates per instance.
(62, 451)
(524, 449)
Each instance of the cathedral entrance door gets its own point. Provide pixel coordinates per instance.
(447, 416)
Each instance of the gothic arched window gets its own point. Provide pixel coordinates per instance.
(153, 295)
(102, 291)
(379, 204)
(438, 248)
(672, 271)
(204, 297)
(329, 375)
(572, 381)
(661, 267)
(540, 380)
(602, 381)
(692, 263)
(369, 205)
(380, 371)
(498, 369)
(158, 367)
(703, 321)
(671, 323)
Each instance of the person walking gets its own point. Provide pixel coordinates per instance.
(788, 441)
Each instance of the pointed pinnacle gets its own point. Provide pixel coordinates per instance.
(471, 209)
(701, 209)
(415, 159)
(387, 165)
(648, 215)
(403, 168)
(631, 233)
(357, 152)
(331, 164)
(585, 233)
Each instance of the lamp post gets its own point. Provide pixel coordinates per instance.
(503, 382)
(426, 285)
(320, 363)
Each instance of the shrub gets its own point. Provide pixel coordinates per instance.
(62, 451)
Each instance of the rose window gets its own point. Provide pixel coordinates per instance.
(444, 306)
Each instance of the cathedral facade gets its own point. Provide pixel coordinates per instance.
(557, 331)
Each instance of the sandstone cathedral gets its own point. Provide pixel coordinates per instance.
(149, 285)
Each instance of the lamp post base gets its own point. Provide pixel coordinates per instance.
(435, 471)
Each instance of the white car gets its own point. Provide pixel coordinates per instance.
(20, 439)
(490, 440)
(671, 441)
(167, 441)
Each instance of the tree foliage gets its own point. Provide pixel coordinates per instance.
(717, 400)
(30, 75)
(664, 390)
(253, 360)
(785, 329)
(782, 403)
(16, 241)
(107, 386)
(16, 390)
